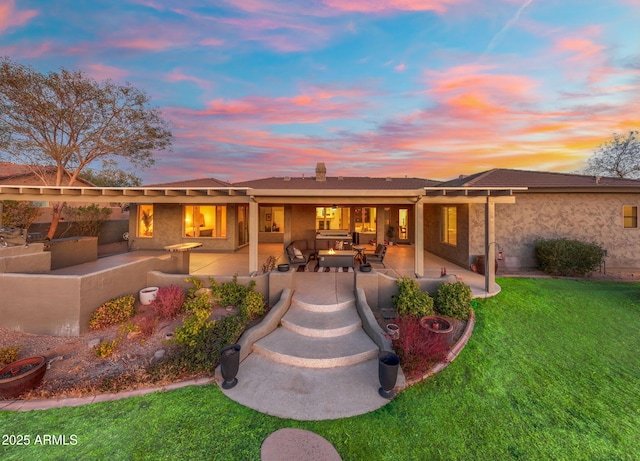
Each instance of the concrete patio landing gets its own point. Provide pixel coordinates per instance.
(313, 370)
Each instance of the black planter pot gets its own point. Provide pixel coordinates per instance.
(388, 364)
(229, 364)
(365, 267)
(283, 267)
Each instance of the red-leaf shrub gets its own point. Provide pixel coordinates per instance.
(146, 324)
(417, 350)
(168, 302)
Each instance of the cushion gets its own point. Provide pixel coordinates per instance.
(339, 245)
(298, 254)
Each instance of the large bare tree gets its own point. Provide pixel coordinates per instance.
(618, 157)
(68, 120)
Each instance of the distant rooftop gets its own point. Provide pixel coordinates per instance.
(338, 182)
(501, 177)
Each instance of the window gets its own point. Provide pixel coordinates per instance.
(365, 220)
(145, 221)
(630, 214)
(271, 219)
(205, 221)
(332, 218)
(449, 223)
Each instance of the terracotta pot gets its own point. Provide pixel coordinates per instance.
(21, 376)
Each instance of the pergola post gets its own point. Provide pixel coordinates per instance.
(418, 259)
(490, 246)
(253, 236)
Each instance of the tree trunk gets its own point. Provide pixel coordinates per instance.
(56, 214)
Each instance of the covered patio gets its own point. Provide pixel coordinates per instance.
(399, 262)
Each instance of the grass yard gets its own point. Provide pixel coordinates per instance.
(552, 371)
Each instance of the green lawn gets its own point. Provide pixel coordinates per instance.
(552, 371)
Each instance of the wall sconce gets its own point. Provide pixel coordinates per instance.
(334, 207)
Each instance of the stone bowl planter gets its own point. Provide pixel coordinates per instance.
(21, 376)
(147, 295)
(365, 267)
(283, 267)
(439, 329)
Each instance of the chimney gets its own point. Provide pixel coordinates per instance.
(321, 172)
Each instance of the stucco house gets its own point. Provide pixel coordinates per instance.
(498, 213)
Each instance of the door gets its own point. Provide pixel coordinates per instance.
(403, 225)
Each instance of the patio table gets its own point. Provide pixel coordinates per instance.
(335, 258)
(184, 250)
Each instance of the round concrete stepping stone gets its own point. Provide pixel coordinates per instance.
(295, 445)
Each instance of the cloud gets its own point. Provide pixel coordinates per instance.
(102, 72)
(314, 105)
(176, 75)
(11, 17)
(369, 6)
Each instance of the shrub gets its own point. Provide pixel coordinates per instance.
(146, 324)
(410, 300)
(417, 350)
(106, 348)
(454, 300)
(8, 355)
(112, 312)
(253, 305)
(565, 257)
(195, 325)
(230, 293)
(168, 302)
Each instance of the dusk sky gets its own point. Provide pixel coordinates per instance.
(418, 88)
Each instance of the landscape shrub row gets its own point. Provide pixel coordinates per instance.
(567, 257)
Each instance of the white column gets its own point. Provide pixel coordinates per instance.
(253, 236)
(418, 259)
(490, 246)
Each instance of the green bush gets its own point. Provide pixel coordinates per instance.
(195, 325)
(565, 257)
(253, 305)
(454, 300)
(410, 300)
(112, 312)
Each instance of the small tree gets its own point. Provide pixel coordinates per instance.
(18, 214)
(619, 157)
(87, 220)
(68, 121)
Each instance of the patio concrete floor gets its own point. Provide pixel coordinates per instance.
(398, 263)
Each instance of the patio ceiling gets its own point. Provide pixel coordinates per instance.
(246, 194)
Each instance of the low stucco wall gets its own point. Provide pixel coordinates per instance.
(61, 305)
(25, 259)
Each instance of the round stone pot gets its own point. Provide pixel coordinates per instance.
(365, 267)
(21, 376)
(438, 329)
(229, 365)
(388, 364)
(147, 295)
(283, 267)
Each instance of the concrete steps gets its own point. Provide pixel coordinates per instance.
(319, 363)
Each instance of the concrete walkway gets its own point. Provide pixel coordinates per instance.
(319, 364)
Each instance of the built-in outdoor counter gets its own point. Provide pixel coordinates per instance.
(326, 238)
(184, 251)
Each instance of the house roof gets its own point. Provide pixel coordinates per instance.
(13, 173)
(502, 177)
(337, 183)
(194, 183)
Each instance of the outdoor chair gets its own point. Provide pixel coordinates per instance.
(296, 257)
(378, 256)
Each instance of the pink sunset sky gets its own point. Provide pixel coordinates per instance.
(419, 88)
